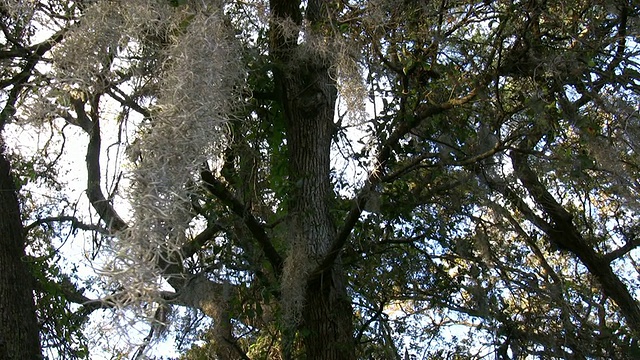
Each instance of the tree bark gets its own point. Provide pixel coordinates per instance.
(19, 333)
(308, 94)
(327, 311)
(328, 318)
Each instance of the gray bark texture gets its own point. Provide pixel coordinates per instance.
(308, 94)
(19, 334)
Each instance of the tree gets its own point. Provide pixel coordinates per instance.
(19, 327)
(490, 182)
(19, 330)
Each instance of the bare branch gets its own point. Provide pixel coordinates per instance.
(75, 223)
(104, 208)
(623, 250)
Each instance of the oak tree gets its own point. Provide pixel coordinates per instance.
(333, 179)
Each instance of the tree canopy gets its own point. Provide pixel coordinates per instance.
(320, 179)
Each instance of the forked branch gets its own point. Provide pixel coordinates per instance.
(376, 175)
(220, 191)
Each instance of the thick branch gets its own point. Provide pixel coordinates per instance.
(200, 240)
(516, 200)
(171, 263)
(127, 101)
(72, 294)
(219, 190)
(94, 192)
(623, 250)
(215, 300)
(566, 236)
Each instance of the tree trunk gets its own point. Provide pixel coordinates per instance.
(326, 314)
(308, 95)
(19, 337)
(328, 318)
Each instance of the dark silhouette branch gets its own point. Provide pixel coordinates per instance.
(99, 202)
(220, 191)
(200, 240)
(623, 250)
(19, 81)
(75, 224)
(369, 321)
(126, 101)
(377, 175)
(566, 236)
